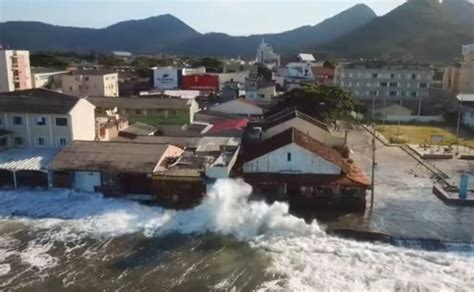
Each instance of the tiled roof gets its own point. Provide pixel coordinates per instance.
(293, 135)
(109, 157)
(38, 100)
(228, 125)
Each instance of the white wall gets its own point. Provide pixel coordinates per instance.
(86, 181)
(302, 161)
(165, 78)
(82, 118)
(468, 119)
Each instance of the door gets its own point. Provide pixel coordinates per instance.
(86, 181)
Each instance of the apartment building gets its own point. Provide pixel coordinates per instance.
(459, 78)
(44, 118)
(15, 73)
(384, 81)
(46, 77)
(91, 83)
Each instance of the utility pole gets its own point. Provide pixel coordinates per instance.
(373, 169)
(459, 120)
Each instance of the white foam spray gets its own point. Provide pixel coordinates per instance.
(304, 256)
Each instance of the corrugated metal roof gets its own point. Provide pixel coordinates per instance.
(27, 158)
(468, 97)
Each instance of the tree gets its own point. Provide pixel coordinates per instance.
(329, 64)
(212, 64)
(325, 103)
(46, 60)
(111, 61)
(142, 65)
(263, 72)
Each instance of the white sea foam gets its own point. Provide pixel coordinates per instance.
(4, 269)
(305, 258)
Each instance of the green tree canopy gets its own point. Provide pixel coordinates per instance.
(212, 64)
(263, 72)
(46, 60)
(326, 103)
(111, 61)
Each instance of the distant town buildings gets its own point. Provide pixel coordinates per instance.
(172, 77)
(15, 72)
(46, 77)
(459, 78)
(266, 55)
(384, 81)
(91, 83)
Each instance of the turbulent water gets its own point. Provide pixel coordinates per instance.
(52, 241)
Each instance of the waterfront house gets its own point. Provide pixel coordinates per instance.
(149, 110)
(294, 167)
(47, 119)
(113, 168)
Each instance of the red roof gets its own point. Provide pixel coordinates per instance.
(229, 125)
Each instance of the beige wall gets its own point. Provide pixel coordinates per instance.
(30, 131)
(83, 121)
(91, 85)
(42, 79)
(307, 128)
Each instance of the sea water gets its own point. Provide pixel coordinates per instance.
(59, 240)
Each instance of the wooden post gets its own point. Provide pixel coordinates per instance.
(373, 169)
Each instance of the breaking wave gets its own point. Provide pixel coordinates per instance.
(304, 256)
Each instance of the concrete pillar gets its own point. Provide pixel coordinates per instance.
(15, 185)
(463, 186)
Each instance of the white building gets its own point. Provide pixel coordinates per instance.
(266, 55)
(90, 83)
(42, 77)
(44, 118)
(15, 72)
(385, 81)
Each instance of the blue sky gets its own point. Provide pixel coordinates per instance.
(235, 17)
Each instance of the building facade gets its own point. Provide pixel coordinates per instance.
(15, 72)
(91, 83)
(46, 119)
(384, 81)
(46, 77)
(459, 78)
(266, 55)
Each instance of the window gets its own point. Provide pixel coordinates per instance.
(393, 84)
(41, 141)
(19, 141)
(17, 120)
(86, 78)
(423, 85)
(392, 75)
(375, 75)
(62, 122)
(138, 112)
(62, 142)
(288, 156)
(392, 93)
(413, 76)
(413, 94)
(3, 142)
(172, 113)
(40, 121)
(1, 121)
(373, 92)
(70, 88)
(383, 84)
(262, 95)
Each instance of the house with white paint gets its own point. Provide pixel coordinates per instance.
(238, 107)
(294, 167)
(47, 119)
